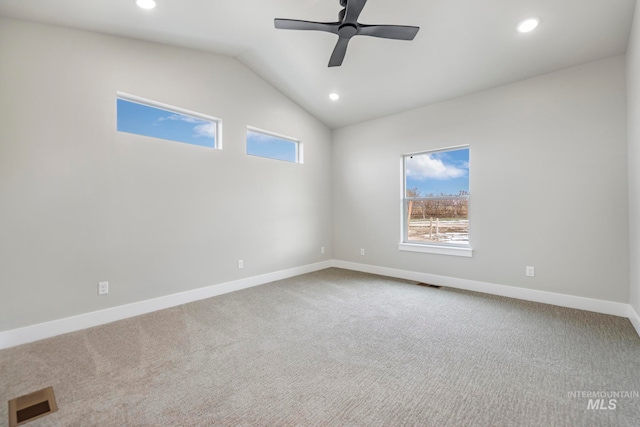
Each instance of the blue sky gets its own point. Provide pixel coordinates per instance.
(260, 144)
(443, 172)
(155, 122)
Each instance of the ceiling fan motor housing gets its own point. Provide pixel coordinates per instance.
(347, 31)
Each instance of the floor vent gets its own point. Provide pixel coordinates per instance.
(429, 286)
(31, 406)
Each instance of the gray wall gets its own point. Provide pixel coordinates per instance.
(82, 203)
(548, 183)
(633, 102)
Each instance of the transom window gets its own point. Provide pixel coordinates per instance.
(149, 118)
(436, 202)
(270, 145)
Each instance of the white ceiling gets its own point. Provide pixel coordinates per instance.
(463, 46)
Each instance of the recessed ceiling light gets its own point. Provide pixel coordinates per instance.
(334, 96)
(146, 4)
(528, 25)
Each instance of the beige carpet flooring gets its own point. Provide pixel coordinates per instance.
(337, 348)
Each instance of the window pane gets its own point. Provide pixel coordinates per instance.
(437, 197)
(273, 147)
(437, 173)
(438, 221)
(147, 120)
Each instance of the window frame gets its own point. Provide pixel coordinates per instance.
(171, 109)
(464, 250)
(299, 157)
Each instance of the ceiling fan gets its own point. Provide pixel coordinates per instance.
(347, 27)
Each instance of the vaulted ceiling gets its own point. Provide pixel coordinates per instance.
(463, 46)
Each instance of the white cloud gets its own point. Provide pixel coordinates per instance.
(259, 138)
(203, 127)
(427, 166)
(182, 118)
(207, 129)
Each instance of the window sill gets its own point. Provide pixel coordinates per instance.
(435, 249)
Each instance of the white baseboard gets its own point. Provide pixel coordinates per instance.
(635, 319)
(588, 304)
(40, 331)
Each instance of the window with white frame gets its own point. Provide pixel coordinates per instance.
(435, 202)
(150, 118)
(273, 146)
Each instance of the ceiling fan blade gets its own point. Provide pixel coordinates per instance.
(396, 32)
(339, 52)
(354, 8)
(295, 24)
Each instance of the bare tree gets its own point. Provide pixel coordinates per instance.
(411, 193)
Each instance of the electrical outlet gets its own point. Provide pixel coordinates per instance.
(103, 288)
(362, 252)
(240, 264)
(322, 250)
(529, 271)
